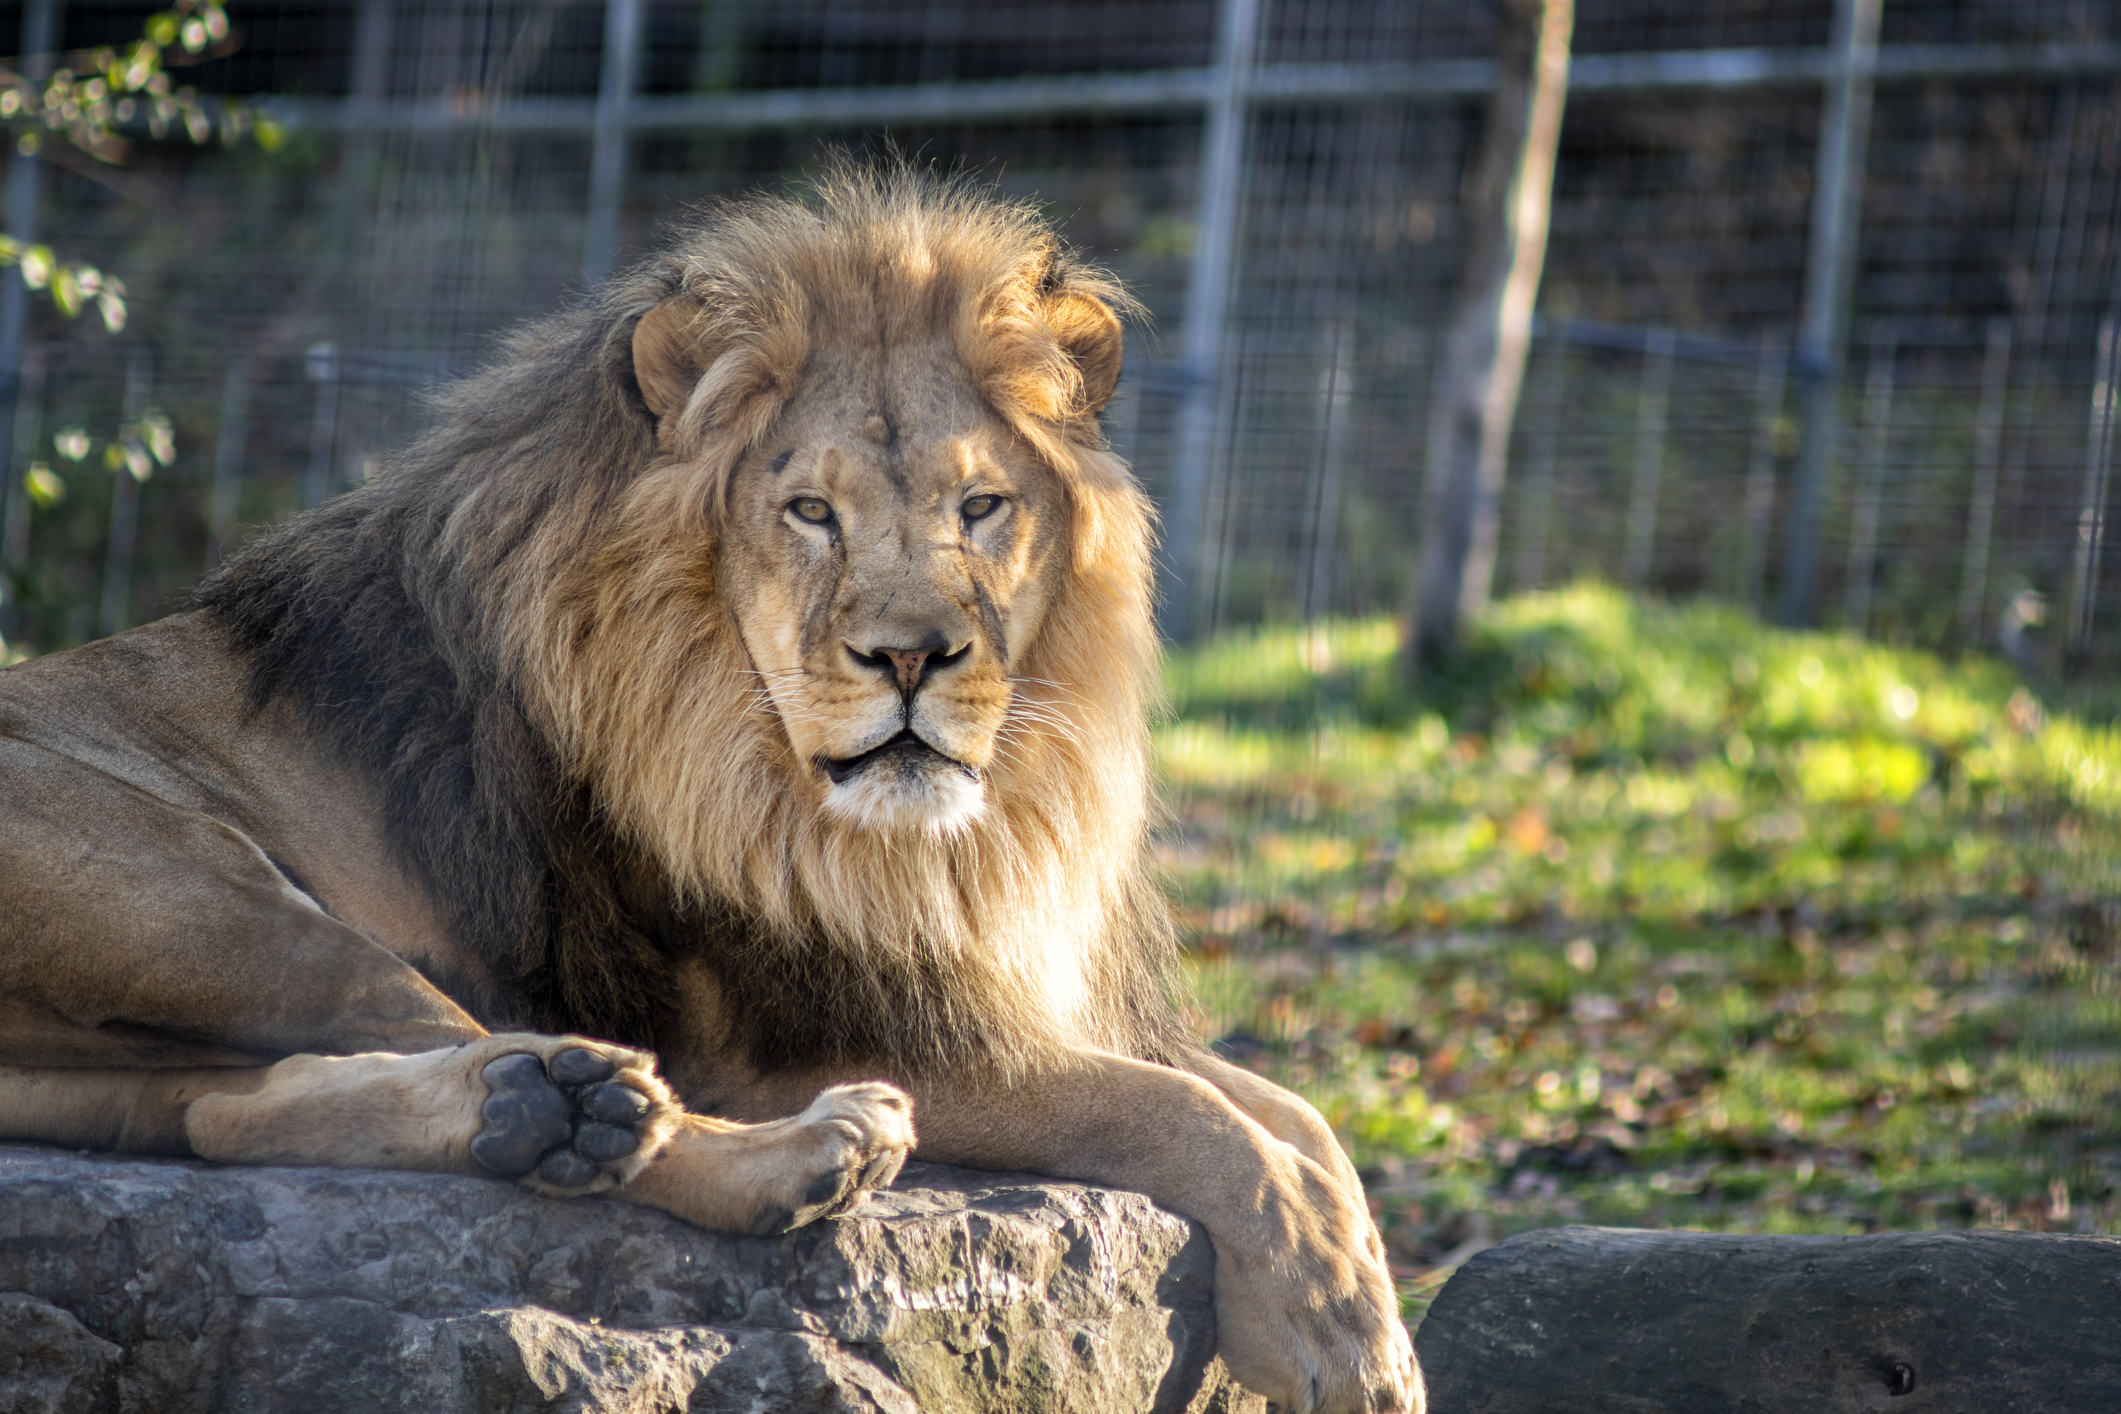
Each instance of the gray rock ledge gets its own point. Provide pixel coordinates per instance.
(1581, 1320)
(150, 1285)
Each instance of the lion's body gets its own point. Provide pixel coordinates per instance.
(752, 670)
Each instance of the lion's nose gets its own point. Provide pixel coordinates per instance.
(908, 668)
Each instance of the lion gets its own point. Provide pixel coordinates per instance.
(709, 766)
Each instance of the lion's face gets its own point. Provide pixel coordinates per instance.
(889, 552)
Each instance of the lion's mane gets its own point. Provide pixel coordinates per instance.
(514, 631)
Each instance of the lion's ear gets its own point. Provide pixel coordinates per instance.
(1089, 332)
(666, 356)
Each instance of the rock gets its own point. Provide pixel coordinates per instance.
(166, 1286)
(1578, 1319)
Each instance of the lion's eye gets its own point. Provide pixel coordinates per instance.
(980, 507)
(811, 508)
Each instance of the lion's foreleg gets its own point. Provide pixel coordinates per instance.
(128, 1111)
(1306, 1313)
(562, 1113)
(1283, 1114)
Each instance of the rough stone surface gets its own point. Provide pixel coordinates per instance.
(143, 1285)
(1583, 1319)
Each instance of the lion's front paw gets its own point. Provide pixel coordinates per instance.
(1348, 1354)
(570, 1116)
(1305, 1311)
(852, 1138)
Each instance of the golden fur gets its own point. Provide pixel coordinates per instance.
(666, 716)
(752, 670)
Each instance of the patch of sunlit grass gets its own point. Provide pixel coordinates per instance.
(1656, 915)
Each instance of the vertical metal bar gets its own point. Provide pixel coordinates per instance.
(2091, 506)
(1335, 381)
(373, 22)
(2063, 214)
(1829, 285)
(1981, 498)
(717, 63)
(1769, 380)
(25, 180)
(1651, 413)
(1870, 485)
(15, 504)
(1530, 569)
(1213, 578)
(609, 143)
(223, 502)
(323, 365)
(117, 611)
(1216, 229)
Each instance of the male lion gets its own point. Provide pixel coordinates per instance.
(750, 668)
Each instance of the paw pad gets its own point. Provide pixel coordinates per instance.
(565, 1119)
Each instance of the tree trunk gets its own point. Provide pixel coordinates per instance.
(1506, 203)
(1581, 1319)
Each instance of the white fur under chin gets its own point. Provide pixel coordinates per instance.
(940, 803)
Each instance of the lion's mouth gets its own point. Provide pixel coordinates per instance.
(905, 750)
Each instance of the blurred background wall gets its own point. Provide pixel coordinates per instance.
(1277, 179)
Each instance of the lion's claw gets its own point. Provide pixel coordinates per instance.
(565, 1119)
(772, 1222)
(852, 1139)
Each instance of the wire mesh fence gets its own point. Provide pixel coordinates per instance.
(454, 167)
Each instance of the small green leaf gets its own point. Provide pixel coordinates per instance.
(160, 436)
(44, 486)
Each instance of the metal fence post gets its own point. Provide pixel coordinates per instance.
(1335, 381)
(1530, 569)
(1829, 286)
(1870, 485)
(609, 145)
(1652, 411)
(323, 368)
(1981, 500)
(126, 478)
(1770, 375)
(2091, 508)
(1216, 229)
(15, 502)
(25, 180)
(222, 502)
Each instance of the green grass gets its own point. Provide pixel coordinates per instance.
(1656, 916)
